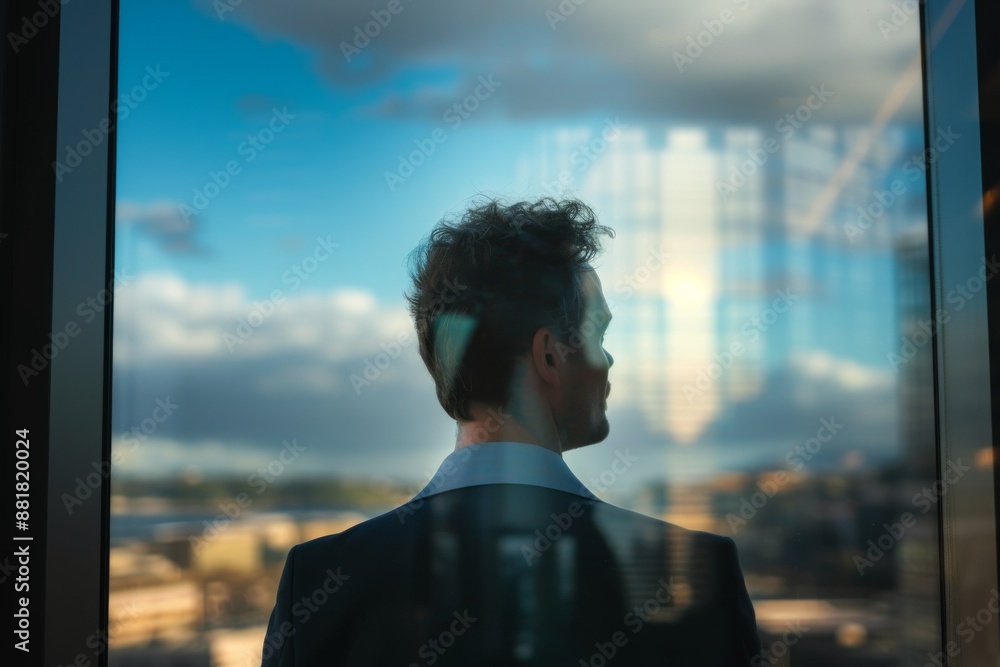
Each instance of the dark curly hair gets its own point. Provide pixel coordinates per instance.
(484, 284)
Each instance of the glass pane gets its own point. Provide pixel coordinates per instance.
(762, 164)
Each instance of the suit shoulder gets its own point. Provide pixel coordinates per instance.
(649, 523)
(361, 530)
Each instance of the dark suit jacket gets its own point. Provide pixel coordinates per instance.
(511, 574)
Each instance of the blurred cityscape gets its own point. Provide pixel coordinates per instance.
(195, 566)
(195, 563)
(192, 586)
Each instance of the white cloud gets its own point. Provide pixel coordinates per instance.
(820, 365)
(292, 379)
(609, 54)
(160, 317)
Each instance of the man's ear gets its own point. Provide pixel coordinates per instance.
(546, 358)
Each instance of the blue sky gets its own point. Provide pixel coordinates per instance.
(322, 176)
(222, 85)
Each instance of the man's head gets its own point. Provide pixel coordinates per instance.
(510, 315)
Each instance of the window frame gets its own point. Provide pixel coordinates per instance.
(62, 249)
(953, 77)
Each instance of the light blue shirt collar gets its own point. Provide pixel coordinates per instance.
(504, 463)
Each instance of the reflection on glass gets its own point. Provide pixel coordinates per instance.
(763, 167)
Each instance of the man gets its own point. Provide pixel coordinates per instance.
(505, 558)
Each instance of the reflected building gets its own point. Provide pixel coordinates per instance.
(918, 562)
(739, 227)
(823, 218)
(168, 612)
(199, 593)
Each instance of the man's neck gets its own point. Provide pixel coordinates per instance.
(552, 448)
(493, 425)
